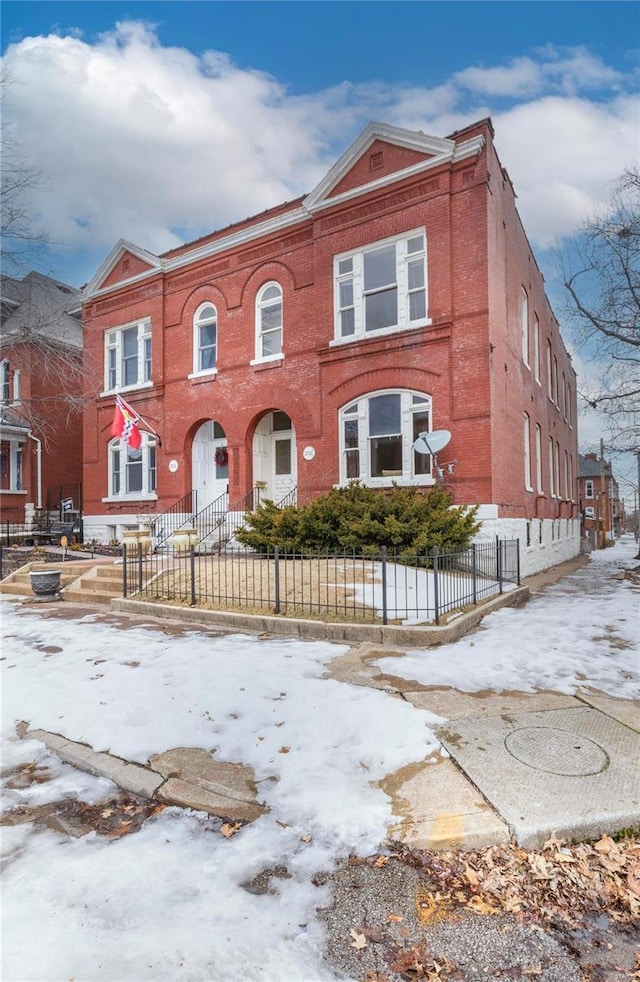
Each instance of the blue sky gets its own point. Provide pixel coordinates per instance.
(158, 122)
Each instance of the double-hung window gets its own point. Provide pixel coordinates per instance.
(377, 434)
(5, 381)
(128, 356)
(524, 325)
(132, 473)
(382, 288)
(269, 323)
(205, 339)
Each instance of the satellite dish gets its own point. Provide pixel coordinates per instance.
(432, 443)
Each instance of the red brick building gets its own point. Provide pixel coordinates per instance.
(311, 344)
(40, 396)
(599, 499)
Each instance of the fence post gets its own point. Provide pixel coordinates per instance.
(124, 570)
(518, 559)
(1, 568)
(499, 562)
(436, 591)
(385, 619)
(192, 573)
(139, 567)
(276, 557)
(474, 568)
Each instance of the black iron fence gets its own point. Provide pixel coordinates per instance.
(383, 588)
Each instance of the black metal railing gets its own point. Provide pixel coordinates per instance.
(379, 588)
(180, 514)
(289, 499)
(224, 519)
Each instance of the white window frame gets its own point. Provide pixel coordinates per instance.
(524, 325)
(588, 489)
(549, 370)
(407, 410)
(5, 381)
(114, 357)
(117, 490)
(348, 268)
(536, 348)
(552, 482)
(200, 321)
(527, 452)
(262, 305)
(539, 485)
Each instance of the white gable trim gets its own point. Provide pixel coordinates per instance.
(119, 249)
(455, 153)
(443, 151)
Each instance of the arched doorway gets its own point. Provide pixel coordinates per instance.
(209, 463)
(274, 456)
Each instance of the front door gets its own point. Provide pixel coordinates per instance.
(209, 463)
(274, 456)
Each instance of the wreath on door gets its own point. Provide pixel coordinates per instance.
(221, 457)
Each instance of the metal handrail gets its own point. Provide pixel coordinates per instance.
(233, 517)
(289, 499)
(164, 525)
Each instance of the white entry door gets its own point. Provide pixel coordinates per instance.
(274, 456)
(209, 463)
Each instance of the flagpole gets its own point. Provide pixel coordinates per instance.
(141, 418)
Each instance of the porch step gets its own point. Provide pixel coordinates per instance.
(100, 584)
(19, 582)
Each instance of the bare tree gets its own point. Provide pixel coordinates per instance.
(19, 235)
(602, 279)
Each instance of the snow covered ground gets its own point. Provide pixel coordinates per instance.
(168, 902)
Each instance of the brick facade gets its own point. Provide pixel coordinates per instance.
(466, 355)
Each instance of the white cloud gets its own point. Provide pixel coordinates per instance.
(154, 143)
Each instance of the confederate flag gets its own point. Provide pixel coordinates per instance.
(125, 424)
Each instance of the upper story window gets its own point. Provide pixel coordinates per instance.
(132, 473)
(5, 381)
(128, 356)
(205, 339)
(536, 349)
(588, 489)
(524, 325)
(377, 434)
(269, 323)
(538, 459)
(550, 382)
(382, 288)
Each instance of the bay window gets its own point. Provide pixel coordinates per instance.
(381, 288)
(377, 433)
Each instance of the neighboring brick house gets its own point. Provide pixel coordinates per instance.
(312, 343)
(599, 498)
(40, 395)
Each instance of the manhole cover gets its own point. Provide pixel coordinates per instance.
(556, 751)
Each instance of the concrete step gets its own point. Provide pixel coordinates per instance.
(81, 595)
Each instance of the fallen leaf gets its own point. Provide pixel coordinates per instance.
(228, 830)
(359, 941)
(552, 842)
(381, 861)
(283, 750)
(394, 919)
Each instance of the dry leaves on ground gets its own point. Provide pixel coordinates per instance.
(559, 881)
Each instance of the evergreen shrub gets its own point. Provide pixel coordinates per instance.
(358, 519)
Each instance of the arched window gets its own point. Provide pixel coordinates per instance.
(132, 473)
(377, 433)
(205, 339)
(269, 322)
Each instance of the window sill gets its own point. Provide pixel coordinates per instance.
(12, 491)
(128, 388)
(384, 332)
(123, 499)
(205, 376)
(388, 482)
(271, 362)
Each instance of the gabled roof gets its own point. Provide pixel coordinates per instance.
(120, 249)
(432, 151)
(422, 153)
(39, 305)
(590, 468)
